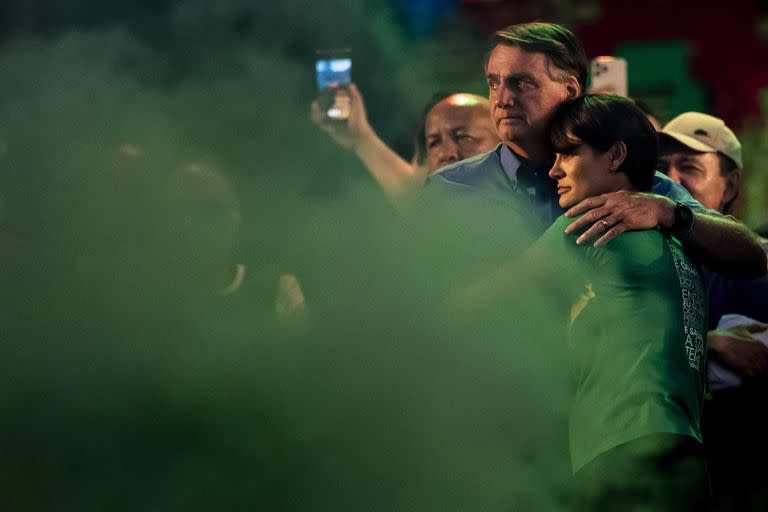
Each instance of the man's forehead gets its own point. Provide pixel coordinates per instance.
(456, 115)
(683, 153)
(670, 146)
(503, 55)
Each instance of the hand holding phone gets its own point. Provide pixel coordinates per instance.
(348, 133)
(333, 69)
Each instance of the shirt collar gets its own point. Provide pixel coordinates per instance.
(510, 162)
(547, 200)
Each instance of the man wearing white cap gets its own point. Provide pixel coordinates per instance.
(701, 153)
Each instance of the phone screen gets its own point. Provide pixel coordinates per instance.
(334, 73)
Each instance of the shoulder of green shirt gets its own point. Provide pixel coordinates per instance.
(641, 247)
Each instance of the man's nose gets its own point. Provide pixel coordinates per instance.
(674, 174)
(449, 151)
(505, 97)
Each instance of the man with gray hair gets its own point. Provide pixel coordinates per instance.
(531, 69)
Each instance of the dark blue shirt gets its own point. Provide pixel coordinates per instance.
(501, 172)
(748, 297)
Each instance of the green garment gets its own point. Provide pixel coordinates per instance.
(637, 339)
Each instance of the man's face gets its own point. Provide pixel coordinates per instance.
(699, 173)
(523, 95)
(455, 132)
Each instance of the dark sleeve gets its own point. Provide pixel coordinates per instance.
(744, 297)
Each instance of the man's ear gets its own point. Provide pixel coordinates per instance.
(616, 155)
(732, 187)
(572, 88)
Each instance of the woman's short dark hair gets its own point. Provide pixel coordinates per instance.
(601, 120)
(563, 49)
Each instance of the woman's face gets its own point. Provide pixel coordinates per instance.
(582, 173)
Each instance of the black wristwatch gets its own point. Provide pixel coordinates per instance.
(683, 223)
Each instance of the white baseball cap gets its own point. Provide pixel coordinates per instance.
(704, 133)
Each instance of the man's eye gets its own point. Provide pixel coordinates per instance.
(432, 143)
(526, 85)
(492, 83)
(464, 136)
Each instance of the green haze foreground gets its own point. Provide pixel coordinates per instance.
(124, 387)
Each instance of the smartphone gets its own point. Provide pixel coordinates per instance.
(609, 74)
(333, 69)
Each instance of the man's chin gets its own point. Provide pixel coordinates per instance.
(515, 135)
(511, 132)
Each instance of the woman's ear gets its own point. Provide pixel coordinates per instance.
(616, 155)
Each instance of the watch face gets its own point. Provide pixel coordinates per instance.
(683, 220)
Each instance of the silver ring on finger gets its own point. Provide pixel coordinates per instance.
(605, 224)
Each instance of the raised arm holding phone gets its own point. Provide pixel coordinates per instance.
(454, 127)
(395, 176)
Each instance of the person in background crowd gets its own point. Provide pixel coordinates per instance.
(701, 153)
(455, 127)
(204, 233)
(205, 222)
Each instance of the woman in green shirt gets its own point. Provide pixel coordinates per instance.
(637, 325)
